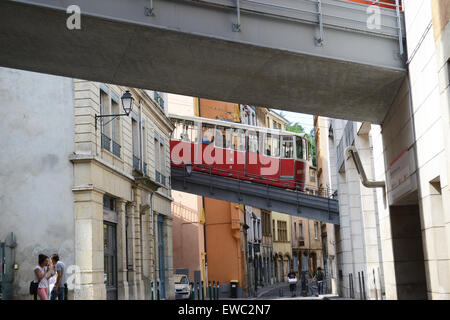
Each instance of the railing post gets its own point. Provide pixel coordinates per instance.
(399, 24)
(237, 26)
(151, 290)
(203, 291)
(158, 288)
(192, 291)
(360, 288)
(363, 285)
(319, 40)
(209, 290)
(375, 284)
(149, 10)
(214, 289)
(217, 294)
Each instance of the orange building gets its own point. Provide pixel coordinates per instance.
(226, 243)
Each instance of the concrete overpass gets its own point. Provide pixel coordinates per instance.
(313, 56)
(322, 208)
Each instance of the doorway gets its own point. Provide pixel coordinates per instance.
(161, 258)
(110, 259)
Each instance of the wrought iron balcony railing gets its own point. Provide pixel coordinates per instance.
(116, 149)
(136, 162)
(106, 142)
(159, 100)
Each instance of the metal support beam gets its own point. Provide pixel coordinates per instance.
(257, 195)
(399, 25)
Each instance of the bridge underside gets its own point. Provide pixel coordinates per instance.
(256, 195)
(191, 48)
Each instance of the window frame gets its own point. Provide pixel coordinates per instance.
(282, 151)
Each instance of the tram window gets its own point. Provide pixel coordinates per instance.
(299, 145)
(305, 149)
(239, 139)
(220, 137)
(207, 133)
(287, 147)
(253, 142)
(267, 145)
(275, 145)
(178, 130)
(189, 133)
(272, 145)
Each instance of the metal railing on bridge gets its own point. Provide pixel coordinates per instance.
(308, 201)
(383, 17)
(303, 188)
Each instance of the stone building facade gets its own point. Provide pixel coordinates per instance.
(112, 220)
(282, 249)
(125, 162)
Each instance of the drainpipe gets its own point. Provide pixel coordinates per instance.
(204, 241)
(352, 152)
(141, 143)
(154, 243)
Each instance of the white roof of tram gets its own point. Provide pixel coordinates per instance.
(236, 125)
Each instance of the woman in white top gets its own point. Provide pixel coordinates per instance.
(41, 275)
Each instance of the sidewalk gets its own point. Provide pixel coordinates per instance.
(273, 292)
(270, 288)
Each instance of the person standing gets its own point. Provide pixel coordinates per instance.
(319, 277)
(41, 275)
(312, 284)
(292, 278)
(60, 269)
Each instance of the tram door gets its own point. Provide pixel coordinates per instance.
(110, 256)
(270, 156)
(253, 165)
(287, 157)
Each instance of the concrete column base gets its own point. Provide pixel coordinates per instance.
(123, 290)
(90, 292)
(132, 290)
(140, 289)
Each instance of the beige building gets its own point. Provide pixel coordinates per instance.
(121, 179)
(270, 119)
(324, 184)
(282, 250)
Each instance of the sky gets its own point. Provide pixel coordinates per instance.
(306, 120)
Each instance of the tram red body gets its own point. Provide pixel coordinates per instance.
(285, 170)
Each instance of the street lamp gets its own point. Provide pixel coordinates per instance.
(127, 102)
(127, 105)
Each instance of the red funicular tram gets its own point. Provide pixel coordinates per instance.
(257, 154)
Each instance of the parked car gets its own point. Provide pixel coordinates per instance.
(182, 286)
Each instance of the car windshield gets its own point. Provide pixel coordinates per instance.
(181, 279)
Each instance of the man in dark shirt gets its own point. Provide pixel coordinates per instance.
(319, 277)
